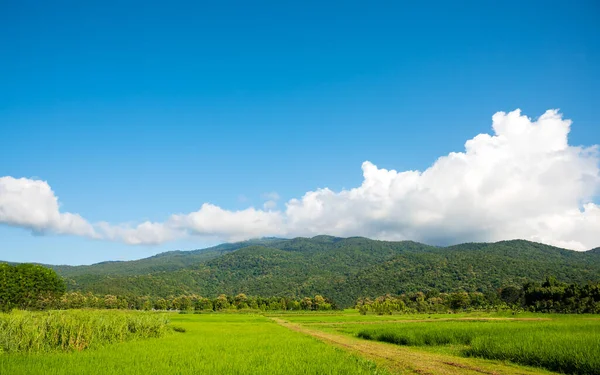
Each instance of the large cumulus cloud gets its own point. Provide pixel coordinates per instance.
(524, 181)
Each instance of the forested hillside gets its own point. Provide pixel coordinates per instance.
(343, 269)
(476, 267)
(169, 261)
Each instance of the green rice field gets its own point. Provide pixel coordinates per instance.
(292, 343)
(568, 346)
(211, 344)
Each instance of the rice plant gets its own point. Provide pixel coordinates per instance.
(568, 346)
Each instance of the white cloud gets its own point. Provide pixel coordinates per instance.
(524, 181)
(269, 205)
(146, 233)
(214, 221)
(272, 196)
(33, 205)
(270, 200)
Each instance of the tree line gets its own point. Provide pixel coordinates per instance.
(557, 297)
(34, 287)
(550, 296)
(77, 300)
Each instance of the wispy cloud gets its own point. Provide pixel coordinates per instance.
(272, 196)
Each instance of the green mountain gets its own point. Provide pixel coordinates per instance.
(343, 269)
(169, 261)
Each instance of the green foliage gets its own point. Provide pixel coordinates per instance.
(554, 296)
(512, 295)
(75, 330)
(343, 269)
(474, 268)
(164, 262)
(28, 286)
(430, 303)
(550, 296)
(191, 303)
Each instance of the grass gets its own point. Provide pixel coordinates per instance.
(571, 351)
(351, 316)
(311, 343)
(75, 330)
(567, 345)
(212, 344)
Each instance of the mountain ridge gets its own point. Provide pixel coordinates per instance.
(235, 245)
(342, 269)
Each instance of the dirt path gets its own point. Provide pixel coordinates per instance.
(404, 360)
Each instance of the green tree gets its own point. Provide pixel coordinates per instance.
(511, 295)
(29, 286)
(221, 302)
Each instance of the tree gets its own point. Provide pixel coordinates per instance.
(459, 301)
(221, 302)
(241, 301)
(511, 295)
(318, 302)
(306, 303)
(111, 302)
(160, 304)
(29, 286)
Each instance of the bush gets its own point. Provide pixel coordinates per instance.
(29, 286)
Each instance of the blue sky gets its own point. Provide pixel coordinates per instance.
(132, 111)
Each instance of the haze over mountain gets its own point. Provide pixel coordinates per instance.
(343, 269)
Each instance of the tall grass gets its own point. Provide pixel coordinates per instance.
(571, 353)
(428, 336)
(569, 346)
(74, 330)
